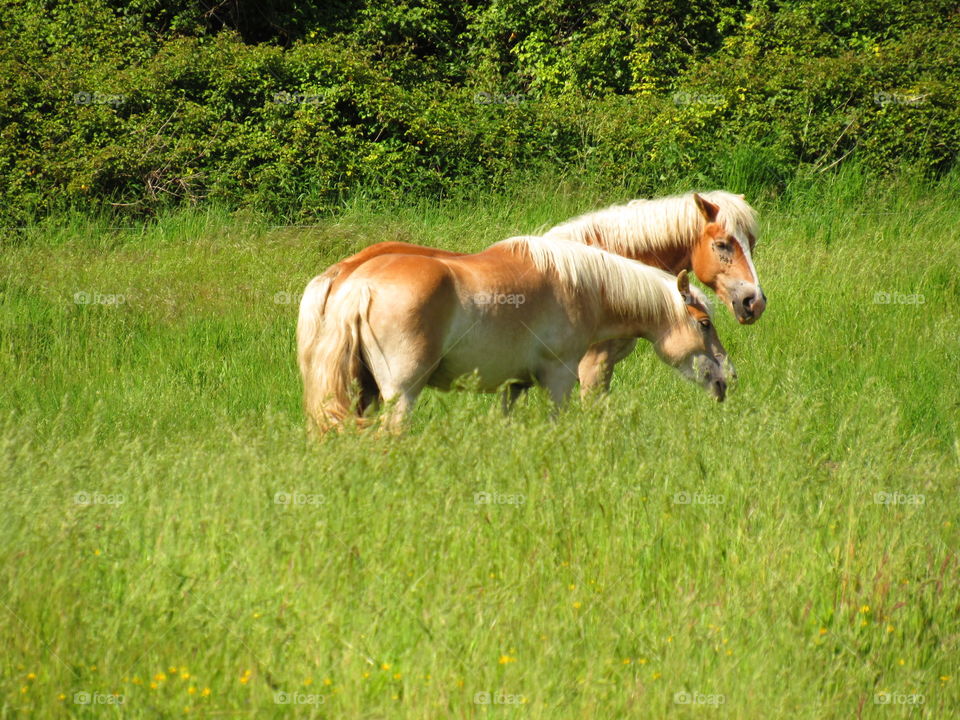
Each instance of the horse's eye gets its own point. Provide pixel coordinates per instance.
(705, 324)
(723, 246)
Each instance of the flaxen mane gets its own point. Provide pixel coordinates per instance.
(628, 286)
(650, 225)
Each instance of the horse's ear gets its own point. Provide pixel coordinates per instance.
(683, 285)
(706, 208)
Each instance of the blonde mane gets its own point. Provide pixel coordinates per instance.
(626, 286)
(651, 225)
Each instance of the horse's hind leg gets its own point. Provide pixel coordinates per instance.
(400, 388)
(399, 404)
(369, 391)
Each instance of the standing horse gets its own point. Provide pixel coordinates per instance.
(711, 233)
(523, 311)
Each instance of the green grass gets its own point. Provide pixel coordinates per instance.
(386, 590)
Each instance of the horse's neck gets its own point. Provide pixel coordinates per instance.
(673, 259)
(612, 322)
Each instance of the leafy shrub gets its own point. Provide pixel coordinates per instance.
(135, 106)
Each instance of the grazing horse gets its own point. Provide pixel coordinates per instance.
(711, 233)
(523, 311)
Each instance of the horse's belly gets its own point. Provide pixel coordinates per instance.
(489, 377)
(491, 363)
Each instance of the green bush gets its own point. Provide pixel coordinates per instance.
(133, 107)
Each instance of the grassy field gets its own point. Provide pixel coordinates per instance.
(173, 545)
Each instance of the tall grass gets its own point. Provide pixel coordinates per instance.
(173, 541)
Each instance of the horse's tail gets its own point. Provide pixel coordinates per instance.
(328, 350)
(324, 284)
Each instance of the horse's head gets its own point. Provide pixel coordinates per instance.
(692, 345)
(722, 260)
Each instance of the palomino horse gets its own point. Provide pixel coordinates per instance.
(523, 311)
(711, 233)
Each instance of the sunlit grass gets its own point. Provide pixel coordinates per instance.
(172, 543)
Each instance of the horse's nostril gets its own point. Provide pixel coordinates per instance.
(748, 301)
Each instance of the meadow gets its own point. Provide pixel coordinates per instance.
(174, 546)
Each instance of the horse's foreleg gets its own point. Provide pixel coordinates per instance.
(595, 370)
(596, 366)
(511, 393)
(559, 380)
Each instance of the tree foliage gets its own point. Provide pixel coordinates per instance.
(289, 106)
